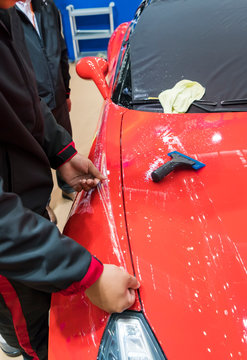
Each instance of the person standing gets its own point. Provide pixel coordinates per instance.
(48, 53)
(36, 260)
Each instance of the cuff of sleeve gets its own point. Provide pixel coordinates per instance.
(94, 271)
(67, 95)
(63, 156)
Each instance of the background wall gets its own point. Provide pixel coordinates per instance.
(124, 10)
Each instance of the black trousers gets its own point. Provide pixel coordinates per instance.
(33, 313)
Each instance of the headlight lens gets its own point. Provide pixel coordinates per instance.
(129, 337)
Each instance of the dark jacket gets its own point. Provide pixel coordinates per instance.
(35, 259)
(33, 252)
(28, 144)
(48, 52)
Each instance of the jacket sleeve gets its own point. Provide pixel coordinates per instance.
(64, 55)
(58, 144)
(34, 253)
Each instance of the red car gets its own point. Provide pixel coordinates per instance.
(184, 235)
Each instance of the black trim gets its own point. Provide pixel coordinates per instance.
(61, 158)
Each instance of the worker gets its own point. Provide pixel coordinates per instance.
(48, 53)
(36, 260)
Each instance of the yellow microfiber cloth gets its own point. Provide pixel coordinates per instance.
(181, 96)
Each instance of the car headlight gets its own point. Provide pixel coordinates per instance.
(129, 337)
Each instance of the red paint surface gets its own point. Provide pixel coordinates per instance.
(187, 234)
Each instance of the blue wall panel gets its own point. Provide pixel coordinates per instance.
(124, 10)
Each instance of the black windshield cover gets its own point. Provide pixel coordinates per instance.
(198, 40)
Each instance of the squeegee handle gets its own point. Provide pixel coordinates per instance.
(164, 170)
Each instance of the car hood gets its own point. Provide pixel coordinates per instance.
(187, 233)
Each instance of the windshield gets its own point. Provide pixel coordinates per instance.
(198, 40)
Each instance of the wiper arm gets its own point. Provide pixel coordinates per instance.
(234, 102)
(198, 103)
(205, 102)
(145, 101)
(205, 105)
(156, 101)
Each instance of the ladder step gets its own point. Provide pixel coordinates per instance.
(92, 35)
(93, 53)
(88, 12)
(95, 31)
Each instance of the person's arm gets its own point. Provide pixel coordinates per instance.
(77, 170)
(34, 253)
(58, 144)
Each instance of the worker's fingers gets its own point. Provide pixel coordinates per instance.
(77, 187)
(95, 172)
(131, 297)
(126, 302)
(88, 183)
(133, 283)
(96, 181)
(131, 291)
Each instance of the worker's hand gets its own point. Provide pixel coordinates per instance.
(80, 173)
(114, 291)
(68, 101)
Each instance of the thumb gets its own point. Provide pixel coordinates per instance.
(131, 297)
(95, 172)
(133, 283)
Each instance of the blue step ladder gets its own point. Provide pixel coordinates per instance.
(91, 34)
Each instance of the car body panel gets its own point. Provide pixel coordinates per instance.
(184, 238)
(187, 232)
(97, 222)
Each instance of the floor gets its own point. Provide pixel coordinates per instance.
(86, 106)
